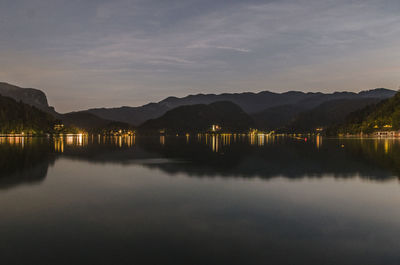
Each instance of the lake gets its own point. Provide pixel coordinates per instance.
(229, 199)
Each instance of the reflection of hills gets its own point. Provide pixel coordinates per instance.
(277, 157)
(31, 175)
(27, 164)
(286, 159)
(107, 153)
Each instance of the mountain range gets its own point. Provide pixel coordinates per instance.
(289, 111)
(255, 104)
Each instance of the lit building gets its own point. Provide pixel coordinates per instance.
(215, 128)
(387, 133)
(58, 126)
(253, 131)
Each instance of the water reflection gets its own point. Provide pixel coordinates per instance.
(318, 141)
(24, 160)
(112, 200)
(227, 155)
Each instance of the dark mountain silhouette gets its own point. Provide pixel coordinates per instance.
(90, 122)
(327, 114)
(200, 118)
(30, 96)
(251, 103)
(269, 110)
(16, 117)
(318, 110)
(378, 93)
(277, 117)
(37, 98)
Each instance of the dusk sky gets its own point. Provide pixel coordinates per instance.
(87, 54)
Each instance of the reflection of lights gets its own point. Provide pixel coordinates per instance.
(80, 139)
(318, 141)
(59, 145)
(129, 140)
(261, 139)
(214, 143)
(75, 139)
(120, 141)
(252, 139)
(70, 139)
(386, 146)
(162, 140)
(14, 139)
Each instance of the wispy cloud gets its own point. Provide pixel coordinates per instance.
(206, 46)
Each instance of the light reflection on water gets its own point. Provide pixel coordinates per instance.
(199, 199)
(215, 142)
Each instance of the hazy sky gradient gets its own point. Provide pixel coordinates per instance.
(86, 53)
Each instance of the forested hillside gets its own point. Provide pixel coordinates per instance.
(17, 117)
(200, 118)
(382, 116)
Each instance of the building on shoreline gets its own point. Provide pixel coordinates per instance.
(387, 133)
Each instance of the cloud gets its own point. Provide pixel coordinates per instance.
(205, 46)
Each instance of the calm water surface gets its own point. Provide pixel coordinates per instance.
(199, 200)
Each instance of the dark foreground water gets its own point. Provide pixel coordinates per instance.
(199, 200)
